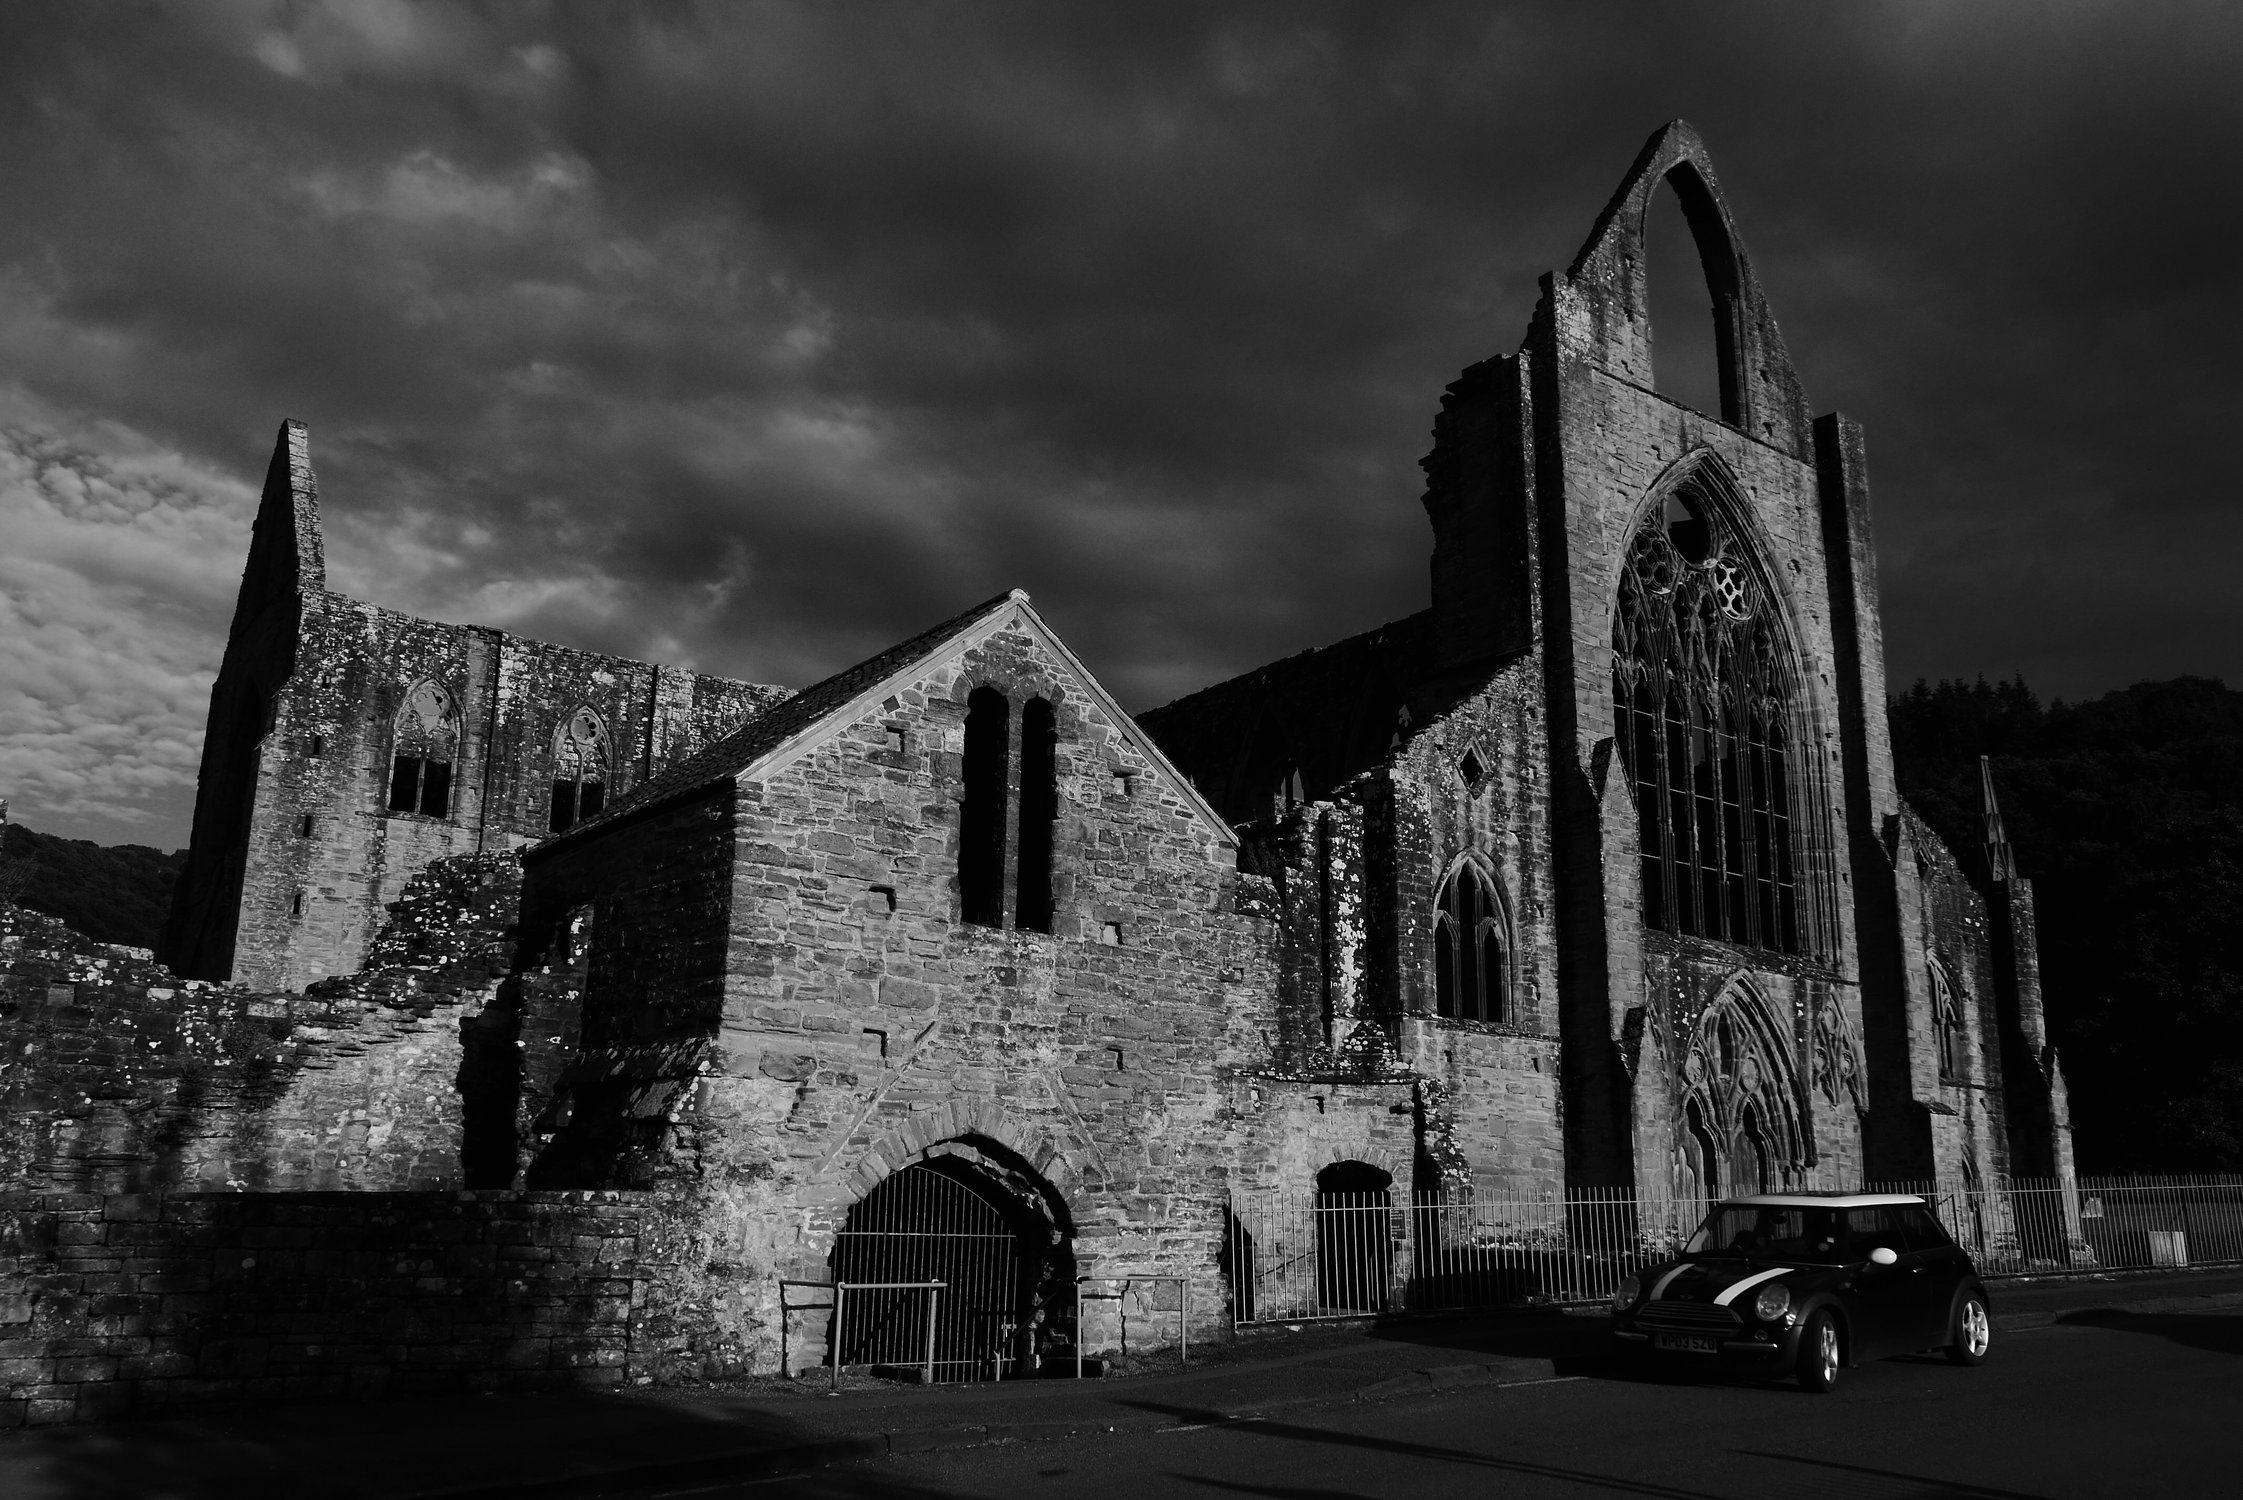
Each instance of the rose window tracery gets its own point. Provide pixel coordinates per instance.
(1701, 688)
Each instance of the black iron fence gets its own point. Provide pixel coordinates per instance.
(1295, 1257)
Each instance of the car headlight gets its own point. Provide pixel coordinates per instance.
(1625, 1294)
(1773, 1302)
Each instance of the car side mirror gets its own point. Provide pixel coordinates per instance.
(1882, 1256)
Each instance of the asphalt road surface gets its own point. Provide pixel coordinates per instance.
(2125, 1405)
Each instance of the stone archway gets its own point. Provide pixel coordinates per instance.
(1354, 1238)
(974, 1215)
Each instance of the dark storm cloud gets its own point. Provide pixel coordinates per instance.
(759, 336)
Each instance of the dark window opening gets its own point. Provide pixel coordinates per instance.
(1701, 693)
(1471, 769)
(421, 786)
(1685, 341)
(981, 845)
(420, 775)
(579, 771)
(304, 829)
(315, 747)
(1039, 808)
(1468, 949)
(1685, 522)
(296, 907)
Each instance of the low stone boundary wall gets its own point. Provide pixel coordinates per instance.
(129, 1303)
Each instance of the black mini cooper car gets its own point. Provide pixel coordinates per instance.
(1805, 1283)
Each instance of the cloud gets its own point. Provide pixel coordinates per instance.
(761, 335)
(112, 605)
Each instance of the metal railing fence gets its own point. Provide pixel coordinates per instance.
(1296, 1257)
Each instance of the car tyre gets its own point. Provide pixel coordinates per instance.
(1818, 1354)
(1972, 1333)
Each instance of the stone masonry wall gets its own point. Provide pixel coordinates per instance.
(147, 1303)
(863, 1022)
(114, 1076)
(1964, 1114)
(326, 855)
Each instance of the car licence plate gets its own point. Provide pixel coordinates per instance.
(1689, 1343)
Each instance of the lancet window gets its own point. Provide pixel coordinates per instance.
(426, 747)
(1006, 825)
(1468, 948)
(1701, 686)
(580, 770)
(1947, 1023)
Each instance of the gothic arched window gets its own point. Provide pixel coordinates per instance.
(580, 770)
(1468, 948)
(1701, 688)
(1741, 1119)
(981, 842)
(426, 745)
(1947, 1022)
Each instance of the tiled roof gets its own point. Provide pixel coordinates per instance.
(765, 733)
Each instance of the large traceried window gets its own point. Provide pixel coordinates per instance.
(426, 746)
(1701, 688)
(1468, 949)
(580, 770)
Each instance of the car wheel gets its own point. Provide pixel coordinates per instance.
(1973, 1333)
(1818, 1354)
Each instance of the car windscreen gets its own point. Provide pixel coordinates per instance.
(1769, 1232)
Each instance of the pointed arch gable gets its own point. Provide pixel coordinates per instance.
(1761, 395)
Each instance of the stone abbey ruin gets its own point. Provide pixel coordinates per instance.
(528, 1016)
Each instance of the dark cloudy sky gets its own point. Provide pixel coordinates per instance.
(757, 336)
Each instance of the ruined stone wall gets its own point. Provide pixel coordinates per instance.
(647, 908)
(325, 853)
(1962, 1115)
(150, 1303)
(114, 1076)
(1474, 784)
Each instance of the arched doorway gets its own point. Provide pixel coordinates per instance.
(1354, 1238)
(972, 1216)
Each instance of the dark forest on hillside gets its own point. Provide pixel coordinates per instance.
(112, 894)
(2127, 814)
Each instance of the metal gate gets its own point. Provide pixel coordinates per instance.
(927, 1224)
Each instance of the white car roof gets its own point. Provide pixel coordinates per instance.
(1818, 1200)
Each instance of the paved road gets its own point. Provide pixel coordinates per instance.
(2125, 1405)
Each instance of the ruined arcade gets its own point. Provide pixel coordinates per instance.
(1591, 875)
